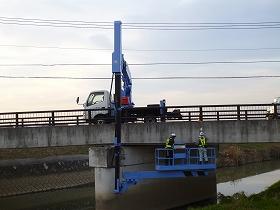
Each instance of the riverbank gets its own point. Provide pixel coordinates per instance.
(42, 183)
(266, 200)
(42, 169)
(228, 154)
(231, 155)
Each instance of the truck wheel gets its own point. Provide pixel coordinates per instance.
(270, 117)
(99, 120)
(150, 119)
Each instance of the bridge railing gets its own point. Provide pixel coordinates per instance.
(222, 112)
(170, 113)
(47, 118)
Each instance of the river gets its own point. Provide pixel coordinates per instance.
(251, 179)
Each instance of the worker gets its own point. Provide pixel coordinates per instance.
(169, 144)
(202, 143)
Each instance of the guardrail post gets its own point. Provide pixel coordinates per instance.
(53, 120)
(200, 114)
(190, 117)
(22, 122)
(77, 120)
(89, 117)
(218, 115)
(238, 112)
(246, 115)
(275, 110)
(16, 119)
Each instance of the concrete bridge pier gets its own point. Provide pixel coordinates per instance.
(156, 194)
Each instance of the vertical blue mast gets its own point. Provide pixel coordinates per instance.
(116, 69)
(117, 54)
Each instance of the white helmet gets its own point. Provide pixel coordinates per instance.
(173, 135)
(201, 133)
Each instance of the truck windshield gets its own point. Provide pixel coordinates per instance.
(277, 100)
(95, 98)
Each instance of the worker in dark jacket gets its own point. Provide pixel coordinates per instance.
(202, 144)
(169, 144)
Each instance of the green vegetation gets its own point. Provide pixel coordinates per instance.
(229, 154)
(242, 154)
(19, 153)
(266, 200)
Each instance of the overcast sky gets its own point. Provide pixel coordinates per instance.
(42, 94)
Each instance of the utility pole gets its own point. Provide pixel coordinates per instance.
(117, 64)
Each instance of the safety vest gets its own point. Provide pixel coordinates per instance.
(202, 141)
(169, 143)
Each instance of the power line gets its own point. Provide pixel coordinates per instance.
(56, 64)
(55, 23)
(110, 23)
(140, 28)
(147, 26)
(142, 50)
(55, 47)
(203, 50)
(136, 24)
(202, 23)
(56, 20)
(142, 78)
(205, 63)
(209, 77)
(143, 64)
(56, 26)
(202, 28)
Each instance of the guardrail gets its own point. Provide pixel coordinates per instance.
(169, 113)
(228, 112)
(48, 118)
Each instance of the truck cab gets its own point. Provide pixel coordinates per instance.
(99, 99)
(271, 112)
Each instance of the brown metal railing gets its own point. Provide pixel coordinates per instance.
(170, 113)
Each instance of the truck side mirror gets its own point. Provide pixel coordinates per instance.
(78, 99)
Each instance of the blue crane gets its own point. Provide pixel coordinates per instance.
(184, 161)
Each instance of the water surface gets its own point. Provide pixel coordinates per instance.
(251, 178)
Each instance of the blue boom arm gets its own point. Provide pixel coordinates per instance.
(127, 83)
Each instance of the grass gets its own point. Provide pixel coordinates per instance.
(256, 146)
(266, 200)
(71, 150)
(241, 154)
(20, 153)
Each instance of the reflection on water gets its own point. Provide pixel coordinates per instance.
(250, 185)
(236, 173)
(68, 199)
(259, 176)
(230, 180)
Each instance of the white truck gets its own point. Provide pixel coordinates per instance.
(102, 103)
(102, 110)
(271, 112)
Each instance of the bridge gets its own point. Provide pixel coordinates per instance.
(243, 123)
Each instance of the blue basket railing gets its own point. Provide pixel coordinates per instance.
(182, 158)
